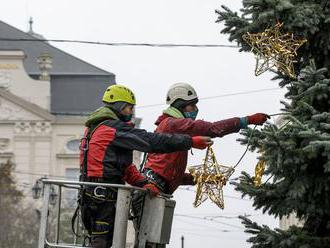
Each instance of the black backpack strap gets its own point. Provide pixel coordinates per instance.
(91, 130)
(73, 220)
(143, 162)
(83, 177)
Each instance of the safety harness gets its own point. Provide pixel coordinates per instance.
(82, 191)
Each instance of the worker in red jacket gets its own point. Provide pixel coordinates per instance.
(167, 171)
(180, 117)
(106, 157)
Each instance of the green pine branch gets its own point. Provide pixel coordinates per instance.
(295, 237)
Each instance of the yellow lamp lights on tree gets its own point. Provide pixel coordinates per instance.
(210, 177)
(274, 49)
(258, 172)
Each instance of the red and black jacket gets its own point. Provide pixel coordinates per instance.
(111, 145)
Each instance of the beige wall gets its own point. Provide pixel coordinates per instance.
(290, 220)
(13, 76)
(38, 152)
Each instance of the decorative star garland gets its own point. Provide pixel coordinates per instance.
(274, 49)
(210, 177)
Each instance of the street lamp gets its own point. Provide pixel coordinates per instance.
(52, 196)
(37, 191)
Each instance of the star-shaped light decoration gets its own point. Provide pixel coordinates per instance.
(274, 49)
(210, 177)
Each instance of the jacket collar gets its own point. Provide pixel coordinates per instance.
(99, 115)
(169, 112)
(174, 112)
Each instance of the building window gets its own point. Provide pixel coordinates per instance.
(73, 145)
(72, 174)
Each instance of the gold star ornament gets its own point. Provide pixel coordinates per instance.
(210, 177)
(258, 172)
(274, 49)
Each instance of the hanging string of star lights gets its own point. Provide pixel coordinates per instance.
(274, 49)
(258, 172)
(210, 177)
(261, 165)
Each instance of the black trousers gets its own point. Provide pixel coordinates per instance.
(98, 214)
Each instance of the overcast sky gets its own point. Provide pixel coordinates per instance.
(150, 71)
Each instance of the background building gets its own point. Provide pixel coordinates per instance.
(45, 95)
(291, 220)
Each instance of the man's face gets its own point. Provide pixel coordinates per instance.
(128, 110)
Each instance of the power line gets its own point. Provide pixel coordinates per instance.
(213, 217)
(217, 96)
(165, 45)
(231, 214)
(227, 196)
(208, 227)
(203, 230)
(202, 235)
(202, 218)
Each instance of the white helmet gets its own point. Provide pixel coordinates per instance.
(180, 91)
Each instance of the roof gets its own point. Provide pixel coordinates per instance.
(63, 63)
(77, 95)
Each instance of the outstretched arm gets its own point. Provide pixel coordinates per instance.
(200, 127)
(139, 139)
(213, 129)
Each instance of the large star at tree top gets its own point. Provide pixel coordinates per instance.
(274, 49)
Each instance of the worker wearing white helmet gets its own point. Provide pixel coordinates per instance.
(167, 171)
(180, 117)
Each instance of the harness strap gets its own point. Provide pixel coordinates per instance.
(156, 179)
(85, 150)
(83, 177)
(143, 162)
(73, 220)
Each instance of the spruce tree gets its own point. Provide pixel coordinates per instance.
(297, 152)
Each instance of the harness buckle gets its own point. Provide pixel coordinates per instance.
(85, 148)
(97, 194)
(150, 175)
(156, 179)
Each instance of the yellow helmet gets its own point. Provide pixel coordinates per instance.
(118, 93)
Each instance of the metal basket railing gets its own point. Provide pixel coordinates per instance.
(121, 217)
